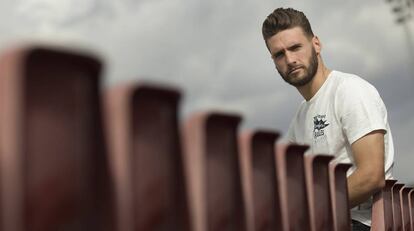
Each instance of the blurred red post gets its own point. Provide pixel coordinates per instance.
(259, 180)
(146, 158)
(319, 199)
(411, 204)
(53, 159)
(292, 187)
(339, 196)
(213, 167)
(382, 218)
(396, 206)
(405, 208)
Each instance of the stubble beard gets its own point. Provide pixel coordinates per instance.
(309, 74)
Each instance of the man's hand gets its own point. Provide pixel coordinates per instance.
(369, 176)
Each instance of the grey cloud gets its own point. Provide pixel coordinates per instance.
(213, 50)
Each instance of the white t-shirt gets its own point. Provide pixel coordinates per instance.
(344, 109)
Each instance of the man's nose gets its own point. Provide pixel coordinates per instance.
(290, 58)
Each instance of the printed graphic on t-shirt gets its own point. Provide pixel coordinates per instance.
(319, 124)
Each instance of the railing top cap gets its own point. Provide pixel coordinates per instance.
(28, 50)
(216, 115)
(320, 157)
(335, 164)
(296, 148)
(398, 186)
(406, 189)
(260, 134)
(210, 119)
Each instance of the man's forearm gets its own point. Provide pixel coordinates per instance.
(362, 185)
(369, 176)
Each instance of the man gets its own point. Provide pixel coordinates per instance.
(342, 114)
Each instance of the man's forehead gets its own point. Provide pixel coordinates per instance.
(288, 37)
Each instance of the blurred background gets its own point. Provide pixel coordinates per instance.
(214, 52)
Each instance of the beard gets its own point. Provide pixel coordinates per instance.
(309, 72)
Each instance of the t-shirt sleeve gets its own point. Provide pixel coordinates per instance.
(361, 109)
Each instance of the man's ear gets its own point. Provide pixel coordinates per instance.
(317, 44)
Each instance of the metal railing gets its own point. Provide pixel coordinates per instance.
(73, 157)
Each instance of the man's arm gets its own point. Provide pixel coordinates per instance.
(369, 176)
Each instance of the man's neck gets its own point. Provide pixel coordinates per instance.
(310, 89)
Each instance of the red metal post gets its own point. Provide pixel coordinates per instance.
(292, 187)
(259, 180)
(396, 208)
(143, 136)
(411, 206)
(53, 159)
(319, 199)
(382, 218)
(213, 166)
(405, 208)
(339, 196)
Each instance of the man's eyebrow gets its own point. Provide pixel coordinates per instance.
(296, 45)
(281, 51)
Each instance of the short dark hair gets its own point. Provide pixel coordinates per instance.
(283, 19)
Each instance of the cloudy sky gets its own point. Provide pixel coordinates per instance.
(214, 52)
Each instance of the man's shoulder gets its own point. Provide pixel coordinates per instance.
(348, 78)
(350, 83)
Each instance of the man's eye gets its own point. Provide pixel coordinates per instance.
(277, 55)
